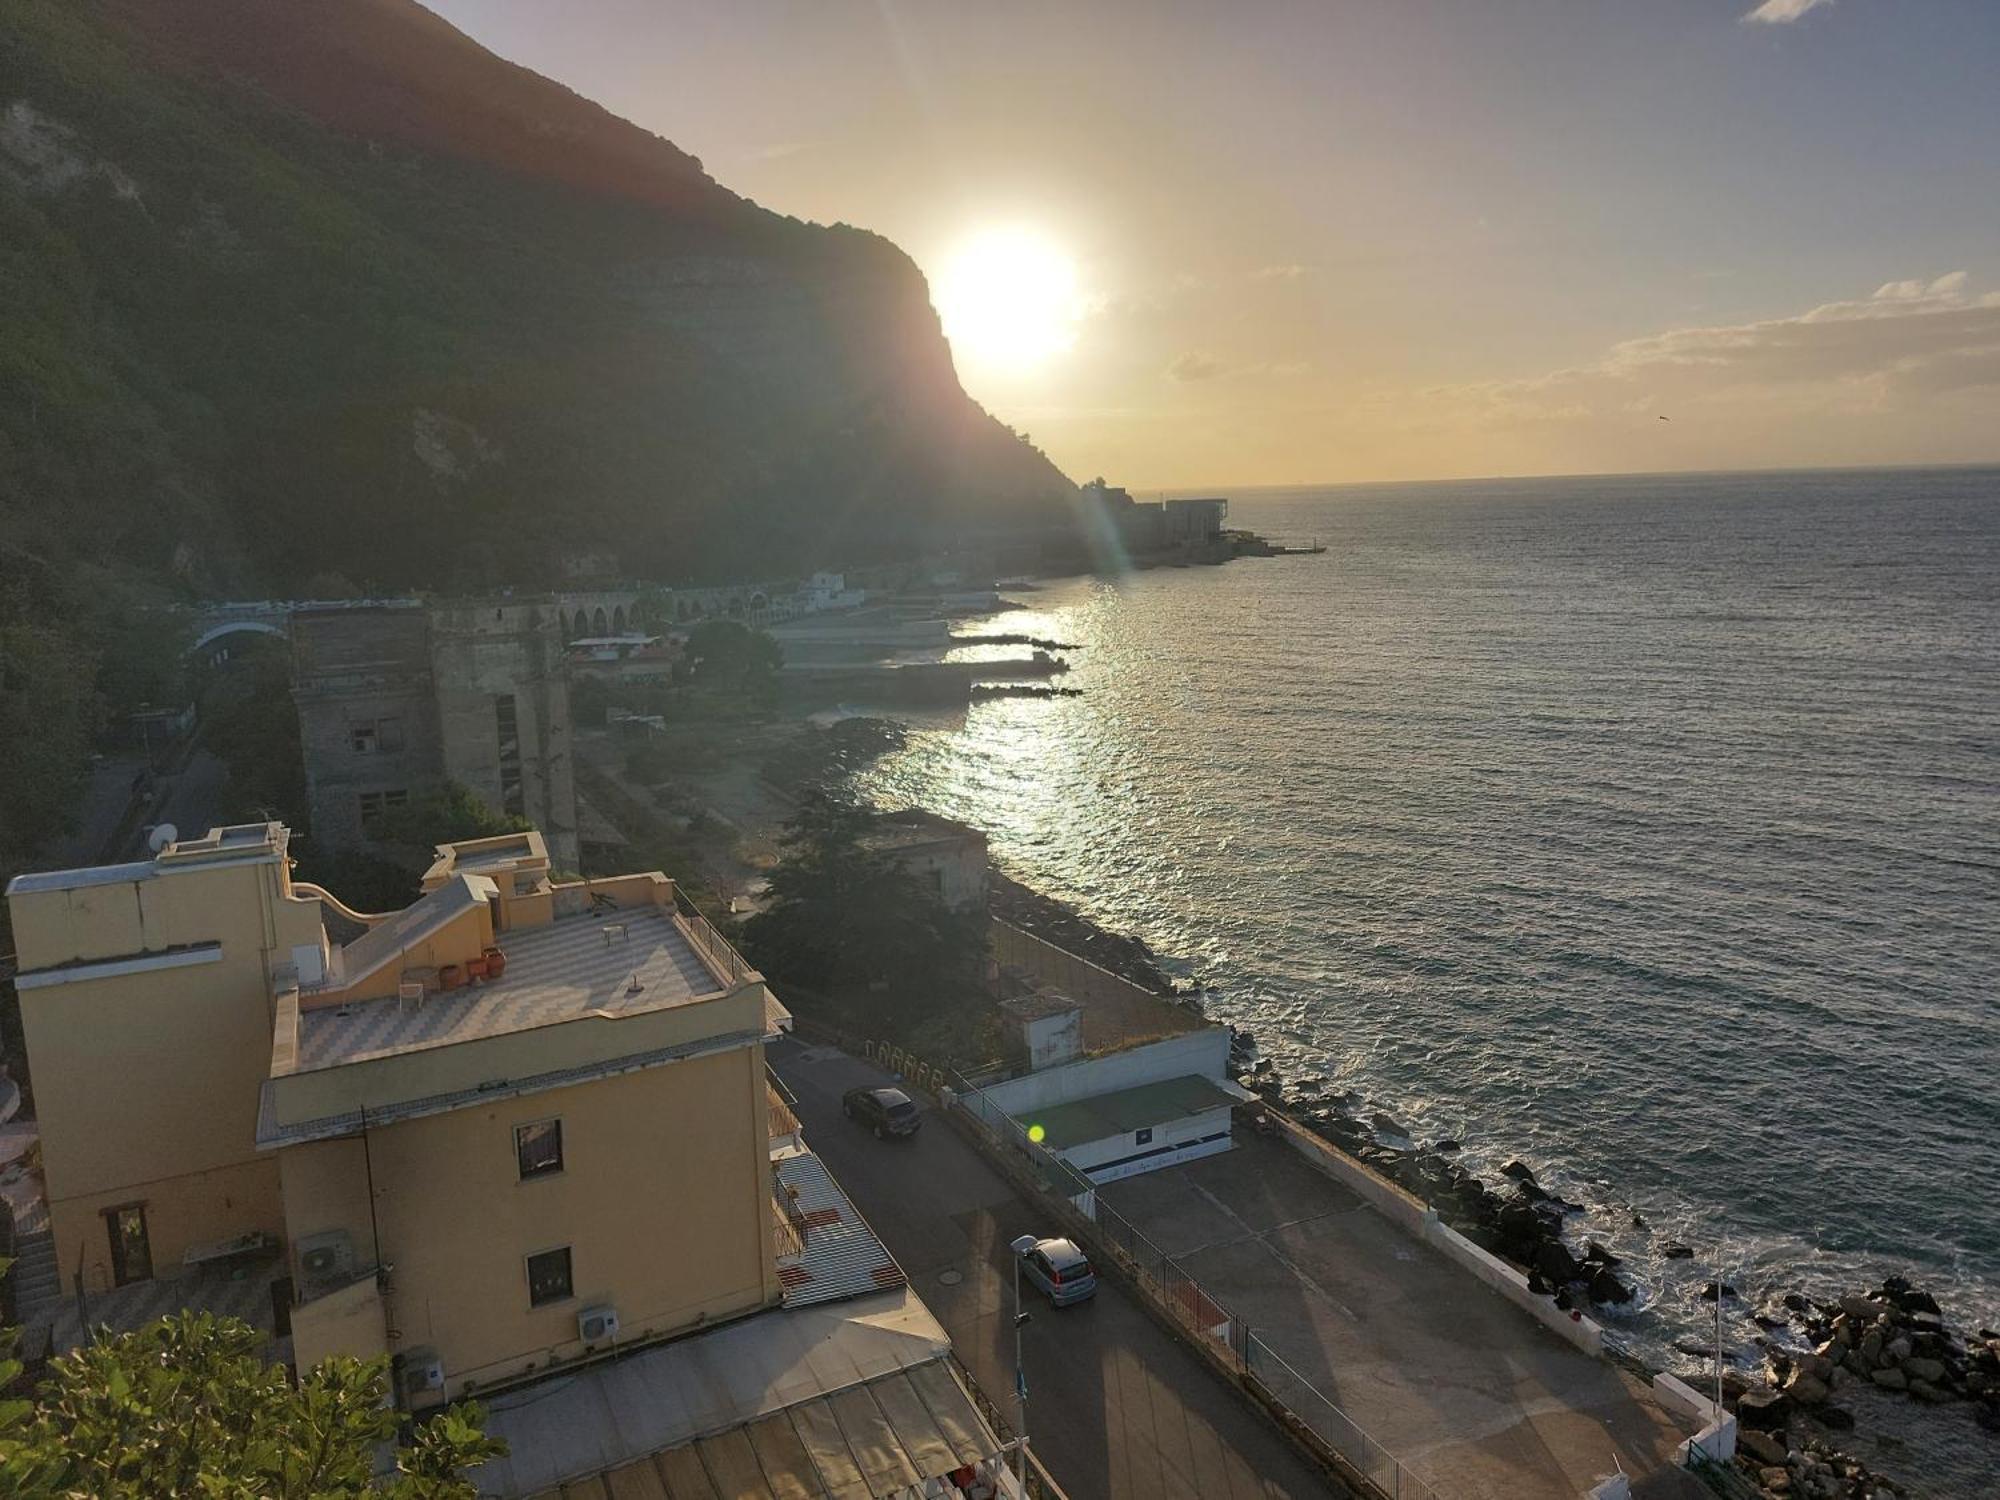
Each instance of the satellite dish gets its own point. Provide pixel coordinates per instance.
(162, 835)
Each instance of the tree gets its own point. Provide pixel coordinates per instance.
(188, 1406)
(842, 913)
(385, 881)
(732, 658)
(446, 815)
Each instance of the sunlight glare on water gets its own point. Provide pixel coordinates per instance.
(1646, 828)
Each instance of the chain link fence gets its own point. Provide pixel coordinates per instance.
(1331, 1425)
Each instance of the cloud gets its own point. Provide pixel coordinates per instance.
(1291, 271)
(1783, 12)
(1908, 343)
(1193, 366)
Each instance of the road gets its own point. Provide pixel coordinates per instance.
(1118, 1409)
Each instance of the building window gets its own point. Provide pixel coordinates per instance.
(376, 806)
(548, 1277)
(372, 735)
(538, 1148)
(131, 1251)
(1143, 1137)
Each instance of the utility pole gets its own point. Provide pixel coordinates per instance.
(1021, 1247)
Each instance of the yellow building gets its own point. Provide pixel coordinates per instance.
(471, 1135)
(517, 1128)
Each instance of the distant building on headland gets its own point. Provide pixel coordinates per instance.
(396, 700)
(1150, 530)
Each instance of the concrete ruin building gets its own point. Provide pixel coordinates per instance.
(394, 701)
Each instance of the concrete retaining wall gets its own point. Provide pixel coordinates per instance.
(1717, 1439)
(1116, 1012)
(1585, 1333)
(1405, 1212)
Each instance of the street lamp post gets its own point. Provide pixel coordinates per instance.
(1020, 1247)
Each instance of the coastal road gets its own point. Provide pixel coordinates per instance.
(1117, 1409)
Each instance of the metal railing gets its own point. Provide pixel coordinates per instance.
(1041, 1483)
(783, 1120)
(714, 948)
(1331, 1425)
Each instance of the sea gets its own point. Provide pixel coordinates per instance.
(1645, 829)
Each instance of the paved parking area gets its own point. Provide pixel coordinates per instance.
(1470, 1392)
(1118, 1409)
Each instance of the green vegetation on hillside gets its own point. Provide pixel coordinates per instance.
(251, 349)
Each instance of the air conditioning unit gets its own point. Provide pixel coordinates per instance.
(322, 1257)
(596, 1324)
(423, 1372)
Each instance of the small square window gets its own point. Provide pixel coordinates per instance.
(1144, 1136)
(361, 738)
(538, 1148)
(548, 1277)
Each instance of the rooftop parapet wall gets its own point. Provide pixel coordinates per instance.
(407, 1080)
(187, 894)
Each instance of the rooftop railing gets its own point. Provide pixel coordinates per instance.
(728, 965)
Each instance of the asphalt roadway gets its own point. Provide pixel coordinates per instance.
(1117, 1408)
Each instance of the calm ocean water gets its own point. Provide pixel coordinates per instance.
(1645, 828)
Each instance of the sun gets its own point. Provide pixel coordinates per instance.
(1008, 298)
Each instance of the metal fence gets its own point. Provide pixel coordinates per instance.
(1331, 1425)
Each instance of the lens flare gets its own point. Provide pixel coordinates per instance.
(1008, 298)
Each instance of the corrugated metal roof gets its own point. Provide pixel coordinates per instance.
(842, 1257)
(886, 1437)
(652, 1408)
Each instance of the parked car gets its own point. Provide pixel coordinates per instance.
(1061, 1270)
(891, 1112)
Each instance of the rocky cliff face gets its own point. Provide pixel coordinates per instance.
(293, 291)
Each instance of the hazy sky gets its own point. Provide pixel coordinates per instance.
(1351, 239)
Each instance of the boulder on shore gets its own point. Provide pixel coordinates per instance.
(1763, 1446)
(1606, 1287)
(1764, 1409)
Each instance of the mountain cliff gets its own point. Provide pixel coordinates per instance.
(290, 291)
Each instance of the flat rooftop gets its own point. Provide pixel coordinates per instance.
(616, 963)
(1127, 1110)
